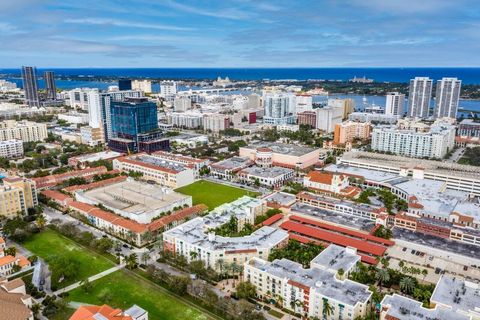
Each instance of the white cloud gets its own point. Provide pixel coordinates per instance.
(232, 14)
(122, 23)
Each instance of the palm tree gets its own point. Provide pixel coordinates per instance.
(131, 261)
(407, 284)
(327, 309)
(382, 277)
(193, 255)
(424, 273)
(220, 265)
(41, 221)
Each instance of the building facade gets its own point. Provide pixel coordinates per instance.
(435, 143)
(11, 149)
(395, 104)
(419, 96)
(279, 108)
(447, 97)
(26, 131)
(17, 195)
(50, 87)
(349, 131)
(30, 86)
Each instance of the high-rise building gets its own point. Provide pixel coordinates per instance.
(328, 117)
(168, 88)
(395, 104)
(279, 108)
(419, 96)
(347, 105)
(142, 85)
(350, 130)
(134, 126)
(50, 87)
(30, 85)
(446, 98)
(124, 84)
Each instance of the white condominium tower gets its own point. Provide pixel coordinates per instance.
(419, 97)
(446, 98)
(395, 104)
(279, 108)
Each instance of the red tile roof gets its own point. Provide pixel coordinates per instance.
(92, 312)
(333, 237)
(55, 179)
(55, 195)
(320, 177)
(272, 219)
(95, 185)
(347, 231)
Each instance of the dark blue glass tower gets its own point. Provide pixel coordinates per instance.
(124, 84)
(135, 126)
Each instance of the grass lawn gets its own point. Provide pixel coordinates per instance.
(123, 289)
(48, 244)
(213, 194)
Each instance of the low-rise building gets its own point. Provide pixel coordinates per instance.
(15, 303)
(86, 159)
(267, 154)
(135, 200)
(105, 312)
(11, 149)
(215, 122)
(330, 183)
(167, 173)
(228, 168)
(193, 163)
(469, 128)
(56, 179)
(309, 291)
(374, 118)
(197, 236)
(74, 117)
(269, 176)
(8, 263)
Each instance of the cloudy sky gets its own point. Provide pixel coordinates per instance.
(239, 33)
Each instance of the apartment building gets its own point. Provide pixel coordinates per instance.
(11, 149)
(165, 172)
(189, 120)
(394, 104)
(348, 131)
(17, 195)
(435, 143)
(15, 303)
(142, 85)
(347, 106)
(26, 131)
(374, 118)
(328, 117)
(196, 236)
(308, 291)
(215, 122)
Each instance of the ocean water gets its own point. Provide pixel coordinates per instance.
(467, 75)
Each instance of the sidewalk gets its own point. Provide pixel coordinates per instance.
(91, 279)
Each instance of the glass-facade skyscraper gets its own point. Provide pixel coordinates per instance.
(50, 87)
(134, 126)
(30, 85)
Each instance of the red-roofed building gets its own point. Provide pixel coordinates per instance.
(56, 179)
(106, 312)
(93, 185)
(330, 183)
(59, 198)
(166, 173)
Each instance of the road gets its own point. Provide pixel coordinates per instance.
(456, 155)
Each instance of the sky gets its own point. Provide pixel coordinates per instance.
(239, 33)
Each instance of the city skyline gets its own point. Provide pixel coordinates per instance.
(239, 34)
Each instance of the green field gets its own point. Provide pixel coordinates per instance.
(213, 194)
(48, 244)
(122, 289)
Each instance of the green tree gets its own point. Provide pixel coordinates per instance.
(246, 290)
(407, 284)
(382, 277)
(326, 309)
(11, 251)
(131, 261)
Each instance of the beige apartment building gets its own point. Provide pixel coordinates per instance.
(350, 130)
(17, 195)
(26, 131)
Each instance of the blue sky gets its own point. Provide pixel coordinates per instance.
(239, 33)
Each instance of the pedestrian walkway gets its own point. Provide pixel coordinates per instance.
(92, 278)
